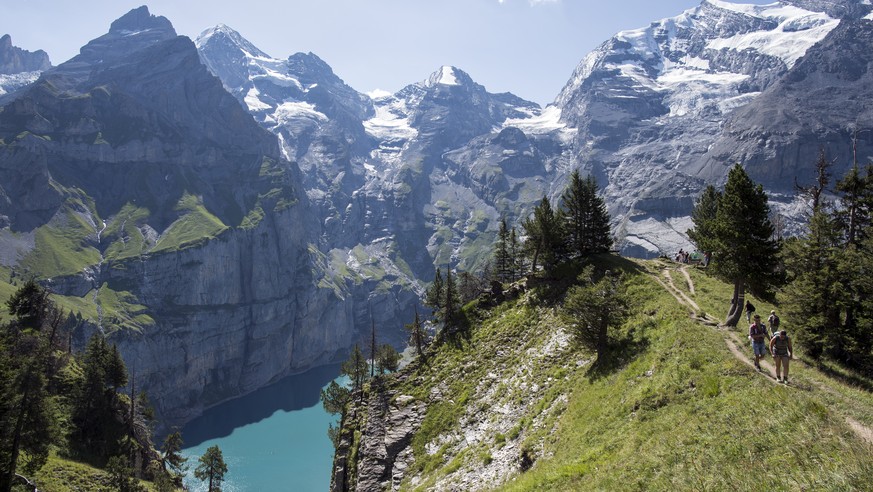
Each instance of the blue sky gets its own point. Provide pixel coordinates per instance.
(528, 47)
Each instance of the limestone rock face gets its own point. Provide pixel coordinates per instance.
(19, 68)
(15, 60)
(179, 219)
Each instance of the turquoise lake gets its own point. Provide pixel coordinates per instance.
(274, 439)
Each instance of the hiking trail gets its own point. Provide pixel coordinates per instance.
(738, 346)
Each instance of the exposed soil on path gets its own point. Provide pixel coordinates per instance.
(734, 342)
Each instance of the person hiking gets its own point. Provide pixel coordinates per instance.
(750, 308)
(773, 322)
(758, 334)
(780, 347)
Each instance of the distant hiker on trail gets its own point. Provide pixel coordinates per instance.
(758, 334)
(773, 322)
(780, 347)
(750, 308)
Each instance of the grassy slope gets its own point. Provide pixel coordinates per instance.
(62, 475)
(680, 413)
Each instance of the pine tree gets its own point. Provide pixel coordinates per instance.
(434, 297)
(586, 221)
(451, 315)
(502, 256)
(388, 360)
(544, 236)
(211, 469)
(516, 259)
(742, 245)
(704, 217)
(355, 367)
(335, 397)
(417, 335)
(594, 307)
(172, 460)
(27, 362)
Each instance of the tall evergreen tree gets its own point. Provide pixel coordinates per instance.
(503, 267)
(544, 236)
(387, 360)
(417, 335)
(451, 314)
(211, 469)
(586, 221)
(27, 362)
(516, 259)
(704, 217)
(97, 431)
(435, 293)
(355, 367)
(741, 241)
(172, 460)
(594, 307)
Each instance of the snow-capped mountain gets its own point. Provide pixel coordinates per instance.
(649, 103)
(641, 113)
(329, 208)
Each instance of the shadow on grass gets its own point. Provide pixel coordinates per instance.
(846, 378)
(618, 354)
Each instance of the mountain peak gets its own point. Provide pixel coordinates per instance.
(448, 75)
(222, 34)
(138, 20)
(15, 60)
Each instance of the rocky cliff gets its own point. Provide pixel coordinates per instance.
(19, 67)
(137, 186)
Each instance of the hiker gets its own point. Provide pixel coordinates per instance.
(750, 308)
(773, 321)
(758, 334)
(780, 347)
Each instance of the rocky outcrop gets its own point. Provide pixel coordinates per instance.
(15, 60)
(152, 193)
(387, 421)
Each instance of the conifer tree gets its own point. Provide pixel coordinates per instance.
(172, 460)
(388, 360)
(741, 241)
(417, 335)
(704, 216)
(211, 468)
(27, 424)
(586, 221)
(434, 297)
(516, 260)
(594, 307)
(451, 304)
(355, 367)
(544, 236)
(503, 267)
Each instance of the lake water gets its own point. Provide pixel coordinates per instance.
(274, 439)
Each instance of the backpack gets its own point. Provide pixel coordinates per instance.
(774, 321)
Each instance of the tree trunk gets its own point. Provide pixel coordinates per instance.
(16, 442)
(737, 303)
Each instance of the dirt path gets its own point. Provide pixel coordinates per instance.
(734, 342)
(678, 293)
(688, 280)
